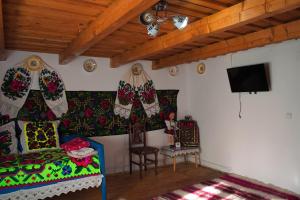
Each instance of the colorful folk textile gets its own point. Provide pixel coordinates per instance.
(83, 162)
(53, 91)
(8, 140)
(42, 167)
(79, 151)
(14, 90)
(148, 97)
(91, 112)
(17, 83)
(82, 153)
(75, 144)
(37, 136)
(228, 187)
(132, 86)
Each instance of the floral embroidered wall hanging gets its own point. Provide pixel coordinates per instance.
(17, 83)
(91, 113)
(136, 83)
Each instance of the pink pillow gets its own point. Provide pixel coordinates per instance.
(75, 144)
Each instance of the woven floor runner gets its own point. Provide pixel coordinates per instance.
(229, 187)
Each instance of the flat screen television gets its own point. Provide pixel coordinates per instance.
(251, 78)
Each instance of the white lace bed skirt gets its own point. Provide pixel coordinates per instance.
(54, 189)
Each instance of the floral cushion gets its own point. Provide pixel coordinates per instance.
(17, 171)
(37, 136)
(8, 140)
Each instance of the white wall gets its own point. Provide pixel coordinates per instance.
(105, 78)
(265, 143)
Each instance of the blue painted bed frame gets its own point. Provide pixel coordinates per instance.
(98, 146)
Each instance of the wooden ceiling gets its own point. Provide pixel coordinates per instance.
(110, 28)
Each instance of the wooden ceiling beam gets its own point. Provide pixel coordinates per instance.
(22, 47)
(68, 6)
(213, 5)
(236, 16)
(115, 16)
(191, 6)
(2, 41)
(260, 38)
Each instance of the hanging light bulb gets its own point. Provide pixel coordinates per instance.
(147, 18)
(153, 29)
(153, 20)
(180, 21)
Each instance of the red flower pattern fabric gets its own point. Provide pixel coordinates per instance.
(75, 144)
(8, 140)
(17, 83)
(38, 136)
(134, 85)
(88, 113)
(75, 121)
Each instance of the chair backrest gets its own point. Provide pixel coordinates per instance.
(137, 135)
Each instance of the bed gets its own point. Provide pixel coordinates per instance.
(45, 174)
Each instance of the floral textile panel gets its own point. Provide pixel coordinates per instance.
(5, 142)
(51, 85)
(91, 113)
(126, 93)
(16, 83)
(40, 135)
(147, 92)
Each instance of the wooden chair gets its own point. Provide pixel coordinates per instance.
(138, 146)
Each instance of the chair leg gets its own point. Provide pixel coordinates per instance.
(156, 162)
(130, 162)
(145, 161)
(141, 166)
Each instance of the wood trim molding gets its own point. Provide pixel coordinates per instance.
(2, 41)
(260, 38)
(235, 16)
(115, 16)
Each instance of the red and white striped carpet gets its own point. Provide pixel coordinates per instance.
(229, 187)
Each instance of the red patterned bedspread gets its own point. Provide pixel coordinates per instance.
(42, 167)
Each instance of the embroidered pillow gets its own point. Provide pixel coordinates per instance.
(8, 140)
(37, 136)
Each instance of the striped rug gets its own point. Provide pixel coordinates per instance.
(229, 187)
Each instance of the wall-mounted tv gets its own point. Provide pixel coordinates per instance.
(251, 78)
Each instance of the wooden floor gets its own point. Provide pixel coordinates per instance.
(123, 186)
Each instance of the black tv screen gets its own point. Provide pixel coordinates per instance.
(251, 78)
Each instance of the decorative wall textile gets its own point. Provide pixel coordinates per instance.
(8, 140)
(14, 90)
(18, 81)
(53, 91)
(91, 113)
(37, 136)
(189, 133)
(136, 86)
(42, 167)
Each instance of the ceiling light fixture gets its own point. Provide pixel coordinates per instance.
(153, 20)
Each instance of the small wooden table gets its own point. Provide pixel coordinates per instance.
(183, 151)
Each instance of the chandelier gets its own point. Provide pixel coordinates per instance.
(153, 20)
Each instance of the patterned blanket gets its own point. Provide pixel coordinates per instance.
(91, 113)
(42, 167)
(228, 187)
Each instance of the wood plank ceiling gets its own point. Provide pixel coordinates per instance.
(55, 26)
